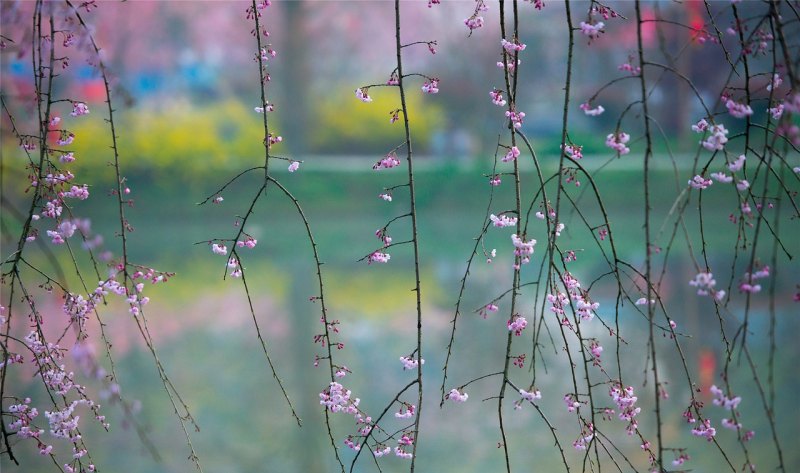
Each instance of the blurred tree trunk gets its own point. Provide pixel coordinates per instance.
(294, 60)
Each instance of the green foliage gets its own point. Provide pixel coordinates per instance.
(183, 138)
(343, 124)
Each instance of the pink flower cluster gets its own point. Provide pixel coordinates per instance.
(338, 399)
(584, 307)
(79, 108)
(503, 220)
(497, 97)
(704, 429)
(705, 283)
(387, 162)
(592, 31)
(512, 154)
(248, 242)
(626, 402)
(362, 95)
(592, 112)
(717, 138)
(517, 324)
(720, 399)
(522, 248)
(617, 141)
(410, 363)
(406, 411)
(475, 21)
(512, 47)
(431, 86)
(574, 151)
(530, 395)
(748, 284)
(379, 257)
(457, 396)
(571, 402)
(736, 109)
(698, 182)
(585, 438)
(515, 118)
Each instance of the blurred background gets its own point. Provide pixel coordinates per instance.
(185, 86)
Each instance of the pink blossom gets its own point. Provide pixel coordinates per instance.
(269, 108)
(248, 242)
(698, 182)
(522, 248)
(379, 452)
(512, 154)
(704, 429)
(775, 83)
(625, 401)
(583, 441)
(503, 220)
(700, 126)
(67, 158)
(584, 309)
(596, 349)
(574, 151)
(571, 402)
(399, 452)
(592, 30)
(722, 177)
(294, 166)
(497, 97)
(511, 65)
(592, 112)
(705, 282)
(405, 412)
(361, 94)
(219, 249)
(717, 139)
(530, 396)
(617, 141)
(338, 399)
(267, 53)
(457, 396)
(431, 87)
(736, 109)
(634, 70)
(512, 47)
(379, 257)
(517, 325)
(386, 197)
(494, 180)
(387, 162)
(751, 288)
(737, 164)
(79, 108)
(65, 139)
(515, 118)
(730, 424)
(474, 22)
(410, 363)
(776, 111)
